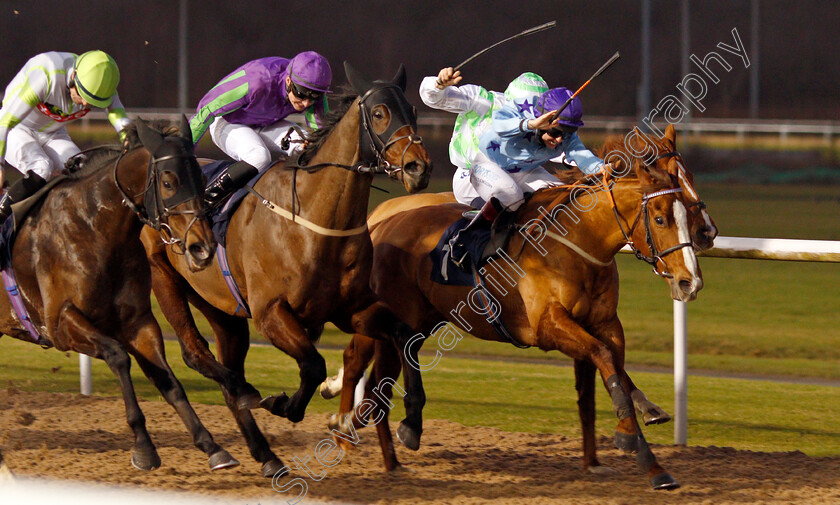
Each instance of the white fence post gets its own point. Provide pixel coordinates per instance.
(680, 373)
(85, 379)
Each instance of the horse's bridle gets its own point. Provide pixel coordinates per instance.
(644, 216)
(156, 210)
(376, 144)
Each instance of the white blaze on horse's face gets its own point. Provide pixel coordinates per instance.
(689, 258)
(711, 229)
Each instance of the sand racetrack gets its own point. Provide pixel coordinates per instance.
(66, 436)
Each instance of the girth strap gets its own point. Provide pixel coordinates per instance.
(330, 232)
(494, 319)
(20, 309)
(241, 305)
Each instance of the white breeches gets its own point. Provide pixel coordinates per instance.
(41, 152)
(487, 180)
(254, 145)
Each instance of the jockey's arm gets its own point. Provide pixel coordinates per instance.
(20, 101)
(585, 160)
(116, 115)
(217, 102)
(455, 99)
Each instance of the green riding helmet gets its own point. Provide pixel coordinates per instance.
(96, 78)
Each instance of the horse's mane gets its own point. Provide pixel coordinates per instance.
(570, 178)
(343, 100)
(102, 156)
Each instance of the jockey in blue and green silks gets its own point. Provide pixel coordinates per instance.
(245, 114)
(51, 90)
(475, 106)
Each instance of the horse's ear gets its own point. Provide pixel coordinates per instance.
(359, 83)
(670, 135)
(150, 138)
(186, 132)
(400, 79)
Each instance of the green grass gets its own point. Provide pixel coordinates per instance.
(536, 398)
(758, 317)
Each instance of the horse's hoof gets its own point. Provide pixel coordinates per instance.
(399, 470)
(271, 467)
(629, 444)
(408, 436)
(655, 416)
(600, 470)
(222, 459)
(145, 461)
(664, 481)
(249, 401)
(277, 405)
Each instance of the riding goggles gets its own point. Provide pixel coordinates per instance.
(306, 94)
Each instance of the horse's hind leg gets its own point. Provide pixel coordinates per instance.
(232, 344)
(386, 370)
(81, 336)
(147, 348)
(281, 328)
(377, 321)
(585, 386)
(357, 356)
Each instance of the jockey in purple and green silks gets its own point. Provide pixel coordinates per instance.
(51, 90)
(245, 114)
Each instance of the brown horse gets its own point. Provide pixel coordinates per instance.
(297, 275)
(564, 296)
(84, 277)
(633, 146)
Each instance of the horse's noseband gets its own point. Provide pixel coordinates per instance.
(374, 145)
(643, 215)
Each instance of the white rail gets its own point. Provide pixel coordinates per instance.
(826, 251)
(725, 247)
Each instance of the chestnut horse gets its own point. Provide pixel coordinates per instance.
(84, 277)
(565, 290)
(635, 145)
(297, 275)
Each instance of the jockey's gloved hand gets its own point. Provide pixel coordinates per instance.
(74, 163)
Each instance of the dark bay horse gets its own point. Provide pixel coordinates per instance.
(561, 293)
(296, 275)
(84, 277)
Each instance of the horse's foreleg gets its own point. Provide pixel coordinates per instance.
(75, 332)
(172, 293)
(650, 412)
(281, 328)
(378, 322)
(147, 348)
(232, 343)
(585, 386)
(629, 435)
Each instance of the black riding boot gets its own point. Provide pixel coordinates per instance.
(231, 179)
(484, 219)
(25, 187)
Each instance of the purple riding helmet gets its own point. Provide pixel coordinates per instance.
(553, 99)
(311, 70)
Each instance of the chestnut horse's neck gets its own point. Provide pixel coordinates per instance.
(587, 221)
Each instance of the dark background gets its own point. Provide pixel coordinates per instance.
(798, 45)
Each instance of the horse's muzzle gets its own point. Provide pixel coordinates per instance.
(415, 175)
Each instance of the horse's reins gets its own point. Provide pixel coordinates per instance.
(155, 219)
(372, 146)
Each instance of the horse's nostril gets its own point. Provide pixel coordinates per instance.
(686, 286)
(199, 251)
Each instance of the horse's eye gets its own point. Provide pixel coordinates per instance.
(378, 114)
(167, 185)
(659, 220)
